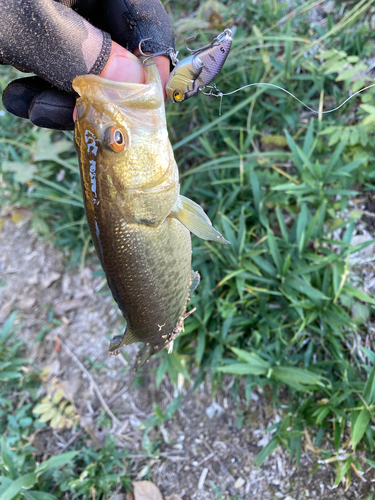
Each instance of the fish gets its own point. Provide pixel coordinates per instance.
(139, 222)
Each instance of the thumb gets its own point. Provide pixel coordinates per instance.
(124, 66)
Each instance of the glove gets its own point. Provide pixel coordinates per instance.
(60, 39)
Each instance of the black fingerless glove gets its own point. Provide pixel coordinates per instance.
(58, 40)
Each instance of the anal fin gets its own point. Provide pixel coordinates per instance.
(192, 216)
(144, 354)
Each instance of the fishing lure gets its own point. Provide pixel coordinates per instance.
(195, 72)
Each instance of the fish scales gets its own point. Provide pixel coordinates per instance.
(139, 223)
(149, 275)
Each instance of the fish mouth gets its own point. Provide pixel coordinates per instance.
(140, 95)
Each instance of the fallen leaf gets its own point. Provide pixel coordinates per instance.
(33, 280)
(50, 278)
(27, 303)
(46, 149)
(71, 388)
(23, 172)
(174, 496)
(215, 410)
(239, 483)
(55, 366)
(20, 214)
(146, 490)
(360, 313)
(67, 305)
(5, 310)
(272, 142)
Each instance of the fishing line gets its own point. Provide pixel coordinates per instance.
(221, 95)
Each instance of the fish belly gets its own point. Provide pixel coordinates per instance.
(148, 269)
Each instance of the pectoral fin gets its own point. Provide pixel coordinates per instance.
(192, 216)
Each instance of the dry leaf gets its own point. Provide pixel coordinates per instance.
(48, 279)
(23, 172)
(68, 305)
(55, 366)
(5, 310)
(71, 388)
(146, 490)
(27, 303)
(239, 483)
(20, 214)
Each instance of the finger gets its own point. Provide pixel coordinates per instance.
(19, 94)
(131, 21)
(53, 109)
(123, 66)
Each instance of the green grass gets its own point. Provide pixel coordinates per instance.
(23, 474)
(282, 306)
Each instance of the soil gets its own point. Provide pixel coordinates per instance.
(208, 448)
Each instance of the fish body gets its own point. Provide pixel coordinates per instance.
(139, 223)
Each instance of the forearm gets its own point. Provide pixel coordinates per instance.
(51, 40)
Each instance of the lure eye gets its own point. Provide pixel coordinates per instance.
(116, 139)
(178, 95)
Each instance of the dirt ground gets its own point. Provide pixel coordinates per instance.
(203, 447)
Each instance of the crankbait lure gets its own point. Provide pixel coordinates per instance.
(198, 70)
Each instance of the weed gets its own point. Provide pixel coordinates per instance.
(81, 473)
(285, 304)
(55, 408)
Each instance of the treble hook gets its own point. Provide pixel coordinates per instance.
(169, 52)
(190, 38)
(216, 41)
(196, 50)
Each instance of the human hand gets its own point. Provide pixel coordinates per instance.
(58, 44)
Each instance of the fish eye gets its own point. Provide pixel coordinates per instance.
(115, 139)
(178, 95)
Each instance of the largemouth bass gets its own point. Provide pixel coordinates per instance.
(139, 223)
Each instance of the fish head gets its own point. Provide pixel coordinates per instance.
(122, 127)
